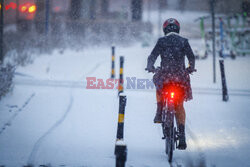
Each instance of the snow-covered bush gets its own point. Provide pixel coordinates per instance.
(6, 77)
(20, 48)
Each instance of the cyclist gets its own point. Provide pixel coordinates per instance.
(172, 48)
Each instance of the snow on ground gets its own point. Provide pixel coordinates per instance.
(85, 134)
(51, 118)
(76, 66)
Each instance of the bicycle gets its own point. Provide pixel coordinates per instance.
(171, 94)
(170, 133)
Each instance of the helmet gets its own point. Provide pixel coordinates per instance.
(171, 25)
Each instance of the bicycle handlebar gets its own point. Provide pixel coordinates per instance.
(159, 68)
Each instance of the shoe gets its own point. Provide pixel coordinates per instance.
(182, 139)
(158, 117)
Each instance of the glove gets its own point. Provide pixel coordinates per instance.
(190, 70)
(150, 69)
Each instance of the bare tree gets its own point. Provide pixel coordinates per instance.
(92, 12)
(104, 7)
(163, 4)
(75, 9)
(136, 9)
(182, 4)
(40, 17)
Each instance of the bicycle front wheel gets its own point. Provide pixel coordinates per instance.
(169, 149)
(169, 143)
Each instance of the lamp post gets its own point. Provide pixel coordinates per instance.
(1, 31)
(212, 3)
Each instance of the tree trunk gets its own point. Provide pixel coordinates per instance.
(92, 12)
(136, 9)
(75, 9)
(163, 4)
(105, 8)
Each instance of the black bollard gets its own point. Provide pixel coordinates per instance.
(225, 96)
(121, 154)
(120, 146)
(122, 104)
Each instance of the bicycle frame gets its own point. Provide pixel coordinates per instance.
(170, 133)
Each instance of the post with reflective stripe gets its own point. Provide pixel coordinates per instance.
(47, 19)
(120, 146)
(120, 87)
(113, 63)
(223, 80)
(122, 104)
(1, 31)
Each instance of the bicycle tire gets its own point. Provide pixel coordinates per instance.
(170, 146)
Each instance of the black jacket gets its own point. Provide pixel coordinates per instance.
(172, 49)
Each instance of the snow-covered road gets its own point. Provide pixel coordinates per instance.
(61, 126)
(51, 118)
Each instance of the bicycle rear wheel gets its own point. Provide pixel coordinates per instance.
(169, 148)
(169, 134)
(169, 142)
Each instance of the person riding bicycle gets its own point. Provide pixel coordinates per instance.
(172, 48)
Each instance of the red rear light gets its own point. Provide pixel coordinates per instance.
(172, 95)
